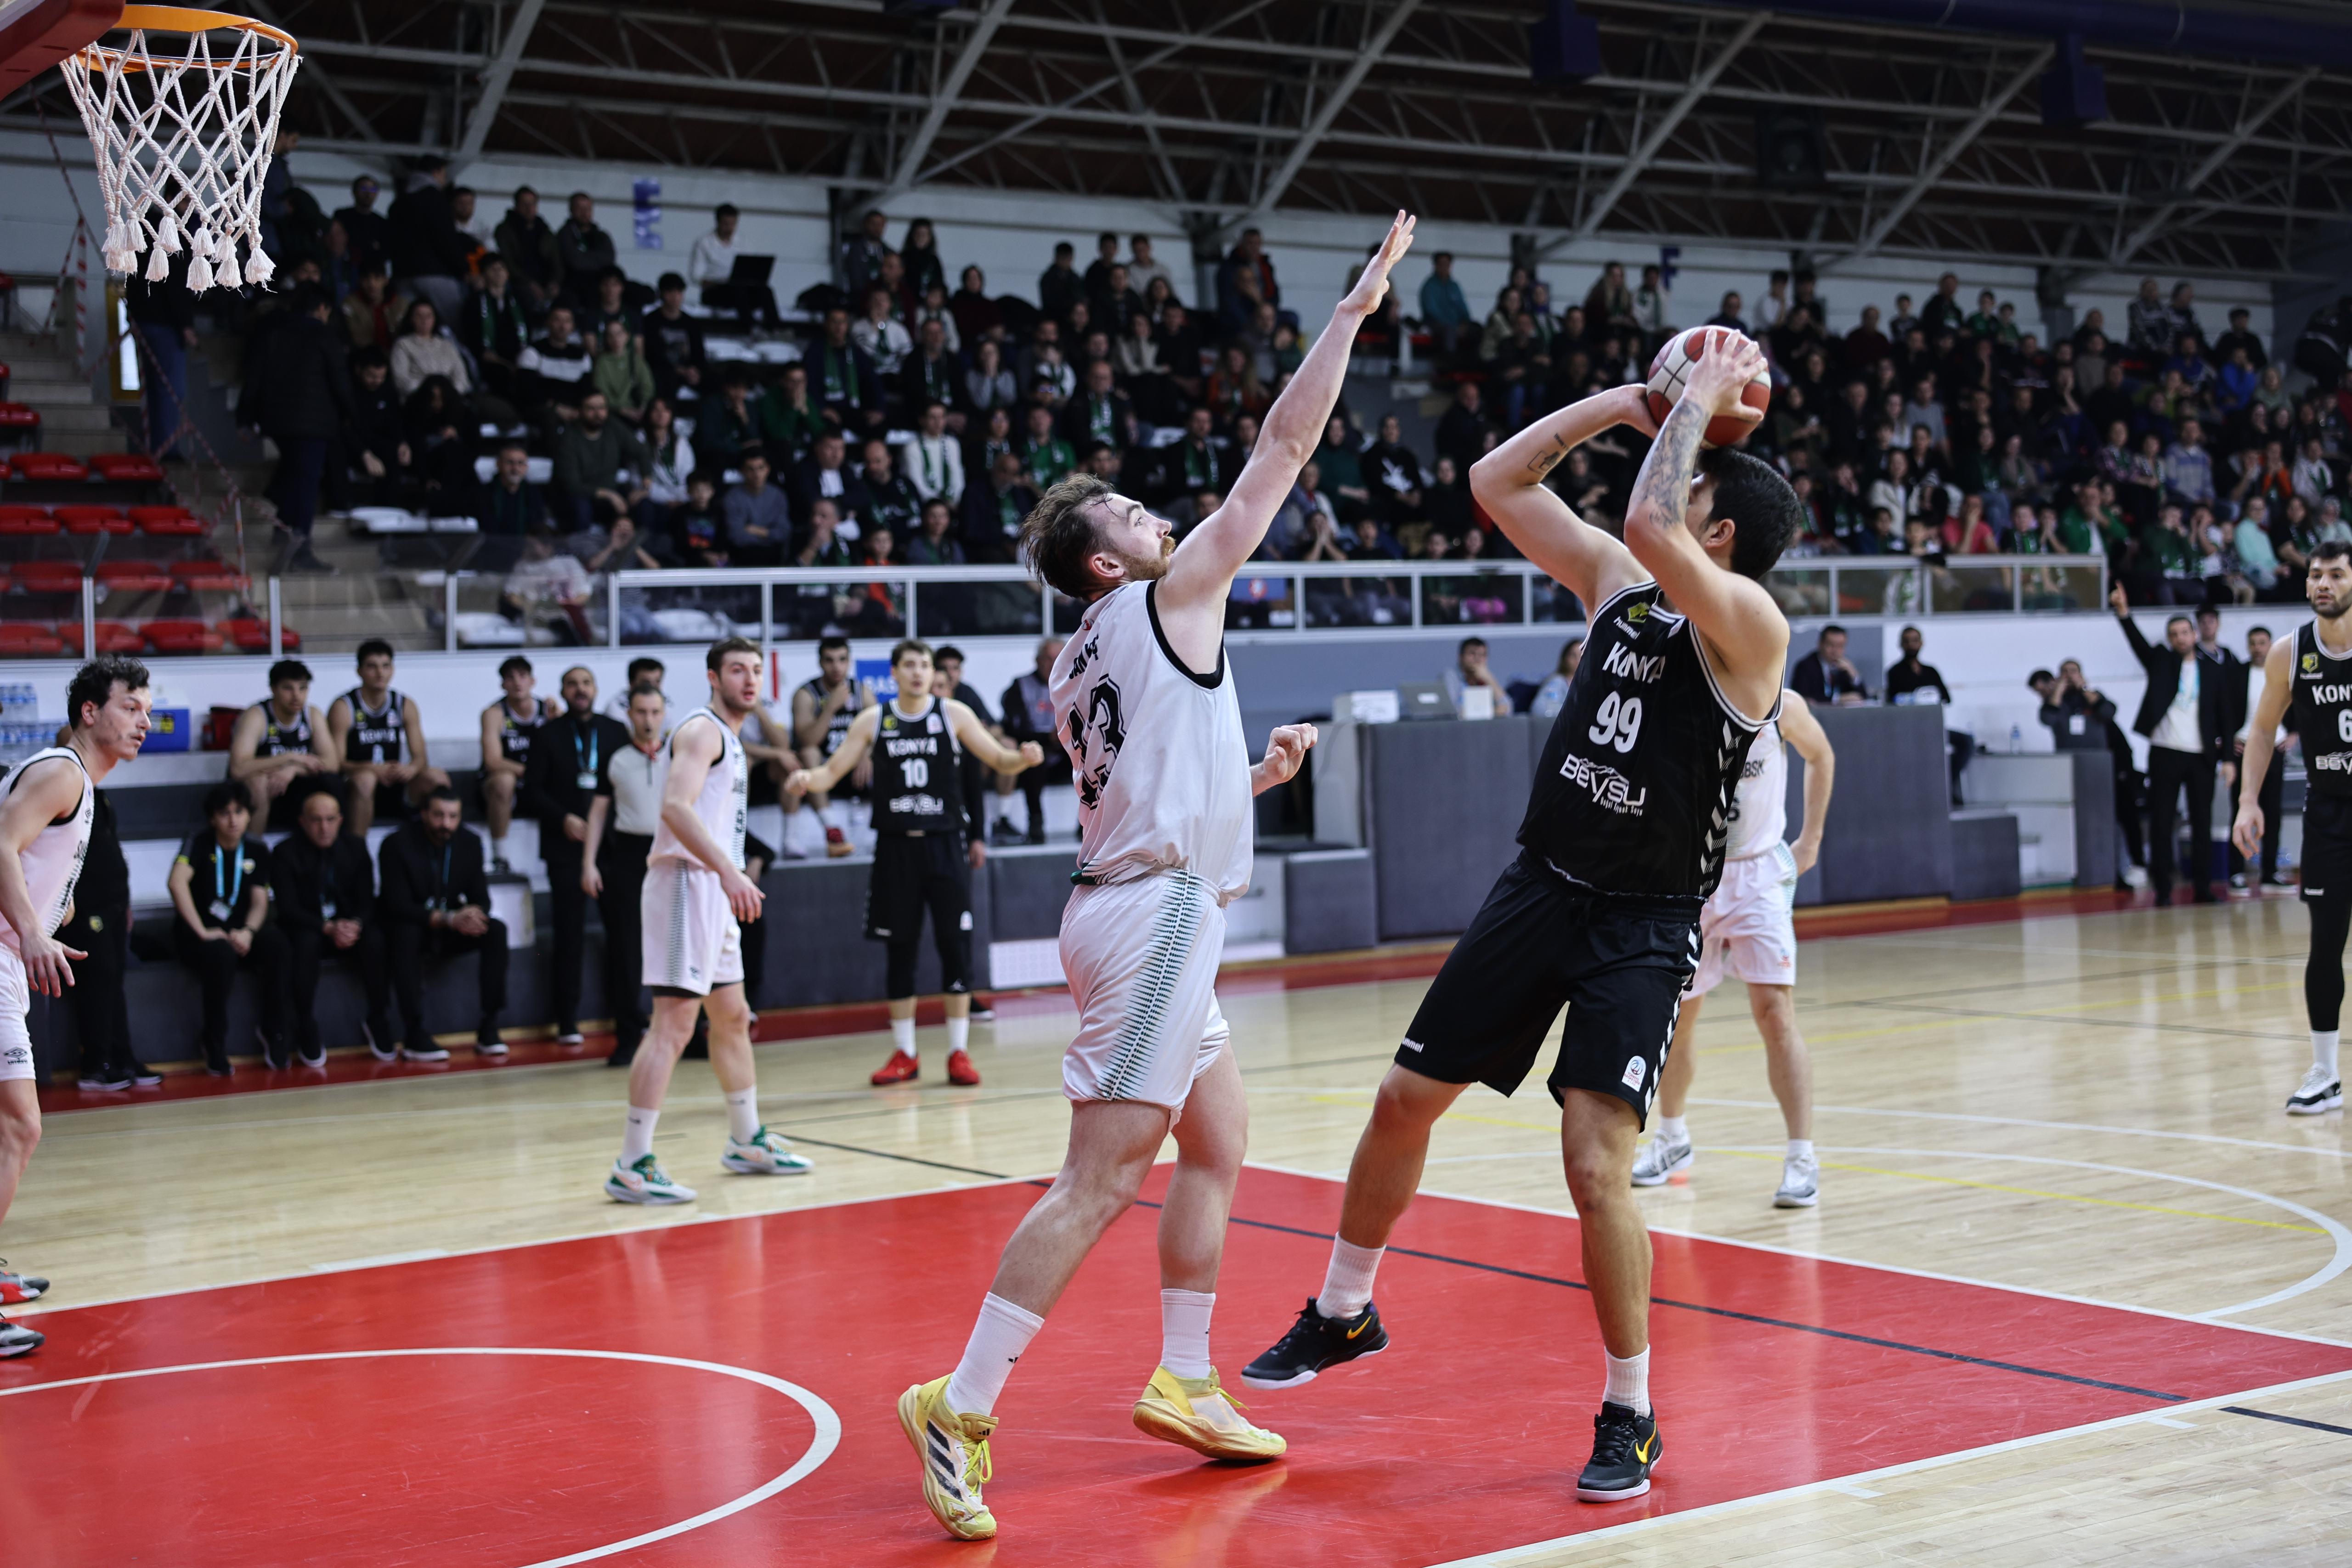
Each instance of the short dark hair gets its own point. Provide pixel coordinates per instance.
(1059, 534)
(2172, 620)
(670, 280)
(2264, 630)
(94, 683)
(289, 670)
(832, 640)
(510, 664)
(1467, 643)
(445, 792)
(522, 191)
(2038, 676)
(906, 645)
(945, 652)
(1833, 626)
(717, 658)
(725, 210)
(642, 665)
(2330, 549)
(369, 649)
(227, 793)
(458, 190)
(2205, 610)
(1764, 511)
(368, 357)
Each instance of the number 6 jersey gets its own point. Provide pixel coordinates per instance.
(2321, 712)
(1634, 791)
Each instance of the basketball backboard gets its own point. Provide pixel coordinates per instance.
(34, 35)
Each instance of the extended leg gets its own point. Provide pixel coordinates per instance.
(20, 1134)
(1787, 1062)
(1597, 1133)
(2323, 996)
(1385, 1173)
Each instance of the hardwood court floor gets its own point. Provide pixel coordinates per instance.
(2083, 1106)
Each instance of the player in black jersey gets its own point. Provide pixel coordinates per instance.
(2313, 669)
(922, 841)
(509, 726)
(381, 739)
(822, 711)
(1622, 841)
(280, 750)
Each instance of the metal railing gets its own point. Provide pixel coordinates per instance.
(1937, 585)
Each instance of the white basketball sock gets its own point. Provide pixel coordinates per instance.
(498, 849)
(1184, 1331)
(638, 1135)
(743, 1115)
(959, 1031)
(1801, 1148)
(1674, 1129)
(1348, 1282)
(999, 1337)
(902, 1032)
(2323, 1049)
(1629, 1382)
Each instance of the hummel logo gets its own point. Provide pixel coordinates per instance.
(1412, 1045)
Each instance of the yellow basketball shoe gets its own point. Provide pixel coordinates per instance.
(952, 1449)
(1197, 1413)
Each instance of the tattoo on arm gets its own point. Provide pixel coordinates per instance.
(1543, 462)
(1666, 477)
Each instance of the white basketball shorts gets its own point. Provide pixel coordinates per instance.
(1141, 959)
(15, 1008)
(691, 941)
(1749, 928)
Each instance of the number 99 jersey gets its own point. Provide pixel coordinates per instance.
(1634, 791)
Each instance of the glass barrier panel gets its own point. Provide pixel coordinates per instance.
(1487, 599)
(1359, 601)
(1861, 590)
(1256, 603)
(336, 614)
(804, 612)
(1799, 590)
(971, 609)
(2061, 588)
(1958, 589)
(703, 613)
(1554, 604)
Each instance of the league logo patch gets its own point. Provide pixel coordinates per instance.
(1634, 1069)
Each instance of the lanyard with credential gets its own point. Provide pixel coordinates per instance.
(224, 904)
(444, 900)
(586, 756)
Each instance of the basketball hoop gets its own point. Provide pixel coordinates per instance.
(182, 113)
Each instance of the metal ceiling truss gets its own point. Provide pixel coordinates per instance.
(1929, 143)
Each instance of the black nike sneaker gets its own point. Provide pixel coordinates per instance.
(1316, 1344)
(1624, 1451)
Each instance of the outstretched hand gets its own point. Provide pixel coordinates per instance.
(1365, 297)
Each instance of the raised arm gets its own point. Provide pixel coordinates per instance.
(1735, 620)
(1005, 760)
(1509, 482)
(1205, 562)
(834, 768)
(2262, 740)
(1803, 734)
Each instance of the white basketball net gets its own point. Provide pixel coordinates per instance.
(182, 141)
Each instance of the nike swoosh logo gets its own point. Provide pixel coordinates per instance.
(1643, 1450)
(1360, 1328)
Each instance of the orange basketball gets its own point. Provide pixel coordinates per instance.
(1672, 368)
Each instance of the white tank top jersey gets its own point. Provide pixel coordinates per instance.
(53, 860)
(1157, 754)
(724, 803)
(1760, 805)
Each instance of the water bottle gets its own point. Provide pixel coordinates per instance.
(2016, 738)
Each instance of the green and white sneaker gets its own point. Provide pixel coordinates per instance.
(765, 1153)
(645, 1181)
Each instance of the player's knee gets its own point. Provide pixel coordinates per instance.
(499, 787)
(1595, 1176)
(1408, 1103)
(20, 1131)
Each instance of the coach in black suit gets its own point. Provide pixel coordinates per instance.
(566, 761)
(434, 897)
(325, 888)
(2185, 742)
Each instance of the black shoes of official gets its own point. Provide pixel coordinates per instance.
(1316, 1344)
(1626, 1449)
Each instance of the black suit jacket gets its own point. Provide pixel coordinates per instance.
(412, 885)
(550, 780)
(2220, 696)
(301, 873)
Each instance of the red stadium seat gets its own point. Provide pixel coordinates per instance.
(113, 637)
(134, 575)
(20, 416)
(47, 576)
(28, 520)
(173, 521)
(29, 640)
(126, 467)
(252, 636)
(181, 637)
(207, 574)
(91, 519)
(47, 465)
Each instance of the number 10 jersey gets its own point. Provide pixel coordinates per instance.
(1634, 791)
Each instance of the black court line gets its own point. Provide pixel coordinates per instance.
(887, 1154)
(1848, 1336)
(2285, 1420)
(2070, 1021)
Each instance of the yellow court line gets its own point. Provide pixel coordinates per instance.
(2036, 1192)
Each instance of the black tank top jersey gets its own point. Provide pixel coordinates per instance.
(279, 739)
(514, 734)
(1635, 793)
(917, 788)
(376, 738)
(2321, 713)
(836, 731)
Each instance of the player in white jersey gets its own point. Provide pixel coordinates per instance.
(695, 892)
(1749, 931)
(46, 806)
(1145, 701)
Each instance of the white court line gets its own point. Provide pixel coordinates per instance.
(381, 1260)
(1857, 1263)
(2030, 1122)
(1848, 1484)
(828, 1424)
(2335, 1232)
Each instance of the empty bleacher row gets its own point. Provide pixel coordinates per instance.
(158, 584)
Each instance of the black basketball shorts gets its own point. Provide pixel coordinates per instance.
(1539, 943)
(2327, 857)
